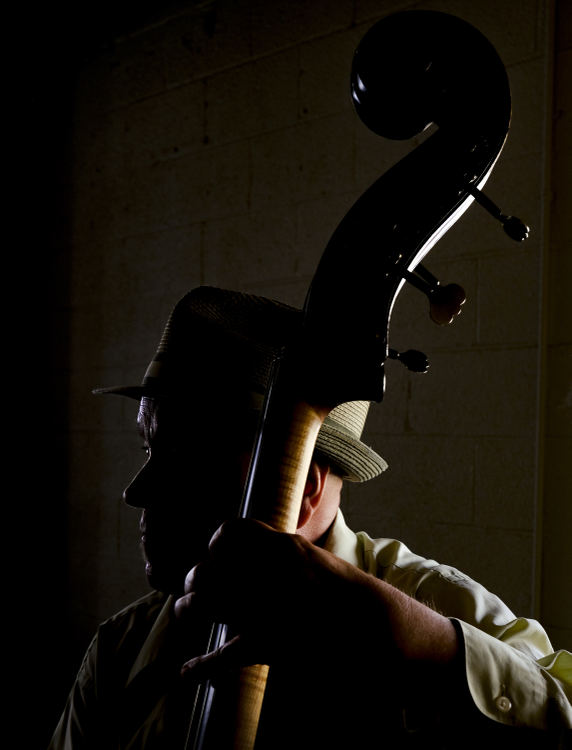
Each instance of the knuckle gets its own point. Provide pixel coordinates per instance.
(223, 535)
(183, 605)
(191, 579)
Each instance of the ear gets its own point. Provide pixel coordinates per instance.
(313, 492)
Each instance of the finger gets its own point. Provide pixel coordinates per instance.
(197, 577)
(232, 655)
(188, 606)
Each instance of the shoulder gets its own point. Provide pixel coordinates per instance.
(387, 558)
(121, 636)
(133, 622)
(138, 613)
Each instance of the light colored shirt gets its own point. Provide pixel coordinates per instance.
(127, 694)
(513, 674)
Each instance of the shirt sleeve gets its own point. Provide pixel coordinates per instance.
(78, 726)
(512, 672)
(512, 682)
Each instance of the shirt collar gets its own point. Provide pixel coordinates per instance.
(155, 642)
(343, 542)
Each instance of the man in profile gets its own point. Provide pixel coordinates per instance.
(367, 642)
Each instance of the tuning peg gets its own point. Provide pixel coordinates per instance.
(445, 302)
(515, 228)
(414, 360)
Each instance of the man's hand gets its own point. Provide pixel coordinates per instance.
(288, 600)
(282, 595)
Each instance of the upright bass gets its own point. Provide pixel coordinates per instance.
(411, 70)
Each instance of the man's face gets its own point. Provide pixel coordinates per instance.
(197, 458)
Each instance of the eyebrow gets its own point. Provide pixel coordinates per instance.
(146, 422)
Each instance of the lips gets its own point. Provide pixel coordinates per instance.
(146, 547)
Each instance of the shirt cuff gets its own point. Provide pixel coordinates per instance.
(509, 686)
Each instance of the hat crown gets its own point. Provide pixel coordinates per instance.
(349, 417)
(245, 330)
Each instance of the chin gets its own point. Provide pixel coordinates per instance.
(168, 582)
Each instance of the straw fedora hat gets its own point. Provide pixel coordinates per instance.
(232, 339)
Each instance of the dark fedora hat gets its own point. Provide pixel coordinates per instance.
(240, 335)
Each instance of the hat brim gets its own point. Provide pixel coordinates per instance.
(356, 460)
(131, 391)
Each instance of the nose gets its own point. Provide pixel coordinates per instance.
(138, 492)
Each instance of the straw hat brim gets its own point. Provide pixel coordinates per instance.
(356, 461)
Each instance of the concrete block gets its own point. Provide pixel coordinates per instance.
(372, 10)
(563, 75)
(559, 396)
(86, 412)
(284, 23)
(561, 638)
(135, 69)
(162, 195)
(256, 97)
(510, 288)
(488, 392)
(85, 325)
(505, 483)
(558, 304)
(164, 126)
(242, 250)
(563, 26)
(275, 165)
(86, 269)
(98, 175)
(528, 100)
(134, 263)
(225, 189)
(325, 73)
(313, 159)
(208, 38)
(326, 165)
(166, 194)
(429, 479)
(556, 605)
(133, 338)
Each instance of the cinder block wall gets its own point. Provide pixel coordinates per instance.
(217, 145)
